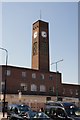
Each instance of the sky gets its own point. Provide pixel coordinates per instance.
(16, 34)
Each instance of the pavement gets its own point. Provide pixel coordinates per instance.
(3, 118)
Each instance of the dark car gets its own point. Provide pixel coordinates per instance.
(59, 103)
(41, 116)
(70, 107)
(73, 112)
(57, 113)
(17, 110)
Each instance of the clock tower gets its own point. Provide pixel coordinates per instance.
(40, 46)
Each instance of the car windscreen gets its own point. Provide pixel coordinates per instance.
(23, 108)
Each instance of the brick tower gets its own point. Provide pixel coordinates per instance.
(40, 46)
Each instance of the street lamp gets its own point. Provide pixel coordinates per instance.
(4, 92)
(56, 76)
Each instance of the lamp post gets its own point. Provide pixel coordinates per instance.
(4, 92)
(56, 76)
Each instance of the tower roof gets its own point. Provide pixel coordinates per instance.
(40, 21)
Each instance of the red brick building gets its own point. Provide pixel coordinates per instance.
(38, 80)
(29, 81)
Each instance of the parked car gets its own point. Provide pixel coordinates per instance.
(59, 103)
(57, 113)
(17, 110)
(71, 109)
(24, 112)
(73, 112)
(41, 116)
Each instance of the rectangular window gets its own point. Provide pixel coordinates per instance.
(42, 88)
(8, 72)
(42, 76)
(51, 89)
(76, 92)
(63, 90)
(23, 74)
(50, 77)
(71, 91)
(33, 75)
(24, 86)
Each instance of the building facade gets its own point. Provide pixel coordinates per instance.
(30, 82)
(38, 80)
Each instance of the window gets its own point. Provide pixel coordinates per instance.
(8, 72)
(63, 90)
(33, 87)
(42, 88)
(50, 77)
(24, 86)
(71, 92)
(51, 89)
(23, 74)
(76, 92)
(33, 75)
(42, 76)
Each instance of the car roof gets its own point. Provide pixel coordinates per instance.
(16, 105)
(61, 103)
(66, 103)
(48, 107)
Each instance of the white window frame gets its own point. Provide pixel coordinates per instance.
(51, 89)
(23, 74)
(76, 92)
(33, 75)
(33, 87)
(8, 72)
(42, 76)
(42, 88)
(24, 85)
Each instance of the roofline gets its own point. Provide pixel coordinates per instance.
(19, 67)
(39, 21)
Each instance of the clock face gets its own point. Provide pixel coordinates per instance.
(35, 34)
(44, 34)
